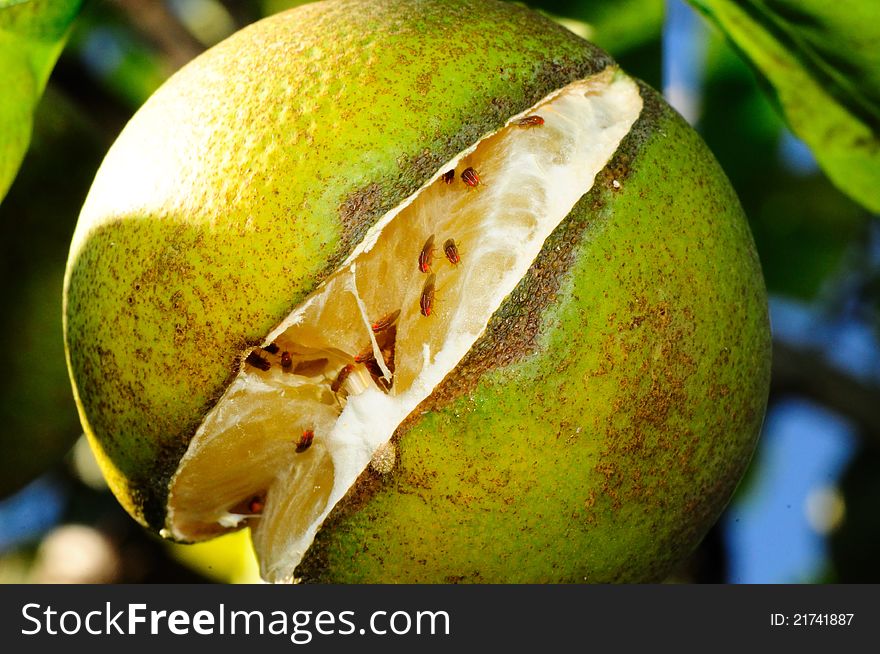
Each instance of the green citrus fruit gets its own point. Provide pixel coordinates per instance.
(418, 291)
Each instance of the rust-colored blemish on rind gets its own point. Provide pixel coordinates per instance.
(513, 330)
(656, 394)
(153, 487)
(154, 499)
(360, 210)
(113, 374)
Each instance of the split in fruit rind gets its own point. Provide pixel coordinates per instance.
(531, 178)
(606, 451)
(249, 177)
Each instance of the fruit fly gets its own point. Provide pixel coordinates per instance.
(305, 440)
(470, 177)
(388, 356)
(272, 348)
(341, 377)
(378, 376)
(366, 355)
(451, 251)
(376, 371)
(286, 359)
(426, 301)
(255, 360)
(385, 321)
(427, 255)
(530, 121)
(256, 505)
(449, 176)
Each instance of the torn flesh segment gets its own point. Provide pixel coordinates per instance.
(353, 361)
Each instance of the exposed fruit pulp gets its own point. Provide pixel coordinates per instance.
(352, 384)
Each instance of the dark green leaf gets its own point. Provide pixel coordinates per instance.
(821, 61)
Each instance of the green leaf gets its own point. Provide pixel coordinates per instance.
(32, 35)
(821, 61)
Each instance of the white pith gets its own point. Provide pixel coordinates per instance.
(531, 179)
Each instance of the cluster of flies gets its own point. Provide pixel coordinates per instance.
(383, 328)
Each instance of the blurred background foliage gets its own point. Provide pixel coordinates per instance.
(820, 63)
(807, 510)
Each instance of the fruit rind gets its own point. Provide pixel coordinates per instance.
(624, 415)
(645, 312)
(197, 238)
(534, 181)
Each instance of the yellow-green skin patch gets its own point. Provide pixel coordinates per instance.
(606, 454)
(249, 176)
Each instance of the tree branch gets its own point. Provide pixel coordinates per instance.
(806, 372)
(157, 23)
